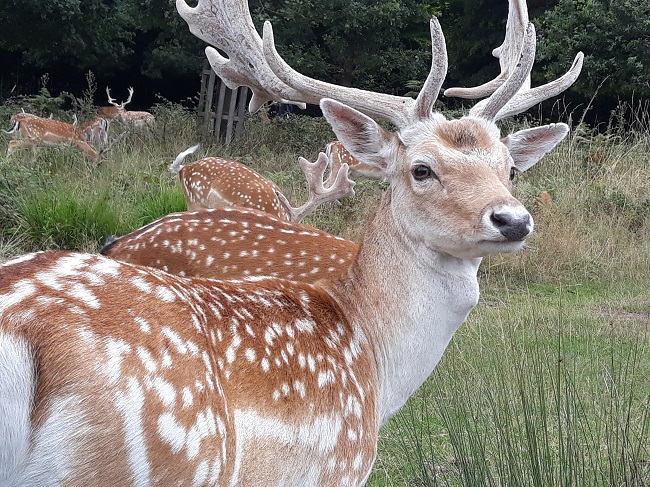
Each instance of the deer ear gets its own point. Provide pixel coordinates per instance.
(529, 146)
(360, 135)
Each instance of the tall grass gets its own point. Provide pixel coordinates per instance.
(547, 391)
(548, 383)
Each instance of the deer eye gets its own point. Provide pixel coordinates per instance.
(513, 172)
(422, 171)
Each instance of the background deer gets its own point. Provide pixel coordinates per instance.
(123, 374)
(36, 131)
(134, 119)
(213, 182)
(95, 131)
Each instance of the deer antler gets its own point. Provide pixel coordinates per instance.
(254, 62)
(111, 101)
(509, 54)
(128, 100)
(227, 25)
(337, 185)
(119, 105)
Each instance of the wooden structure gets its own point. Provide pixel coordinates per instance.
(221, 110)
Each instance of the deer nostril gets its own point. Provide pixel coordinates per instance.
(512, 227)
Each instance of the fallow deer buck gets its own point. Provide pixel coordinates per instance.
(36, 131)
(130, 118)
(213, 182)
(121, 374)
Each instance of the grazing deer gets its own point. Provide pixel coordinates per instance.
(36, 131)
(234, 243)
(213, 182)
(122, 374)
(134, 119)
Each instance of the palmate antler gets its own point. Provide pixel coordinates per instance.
(337, 185)
(253, 62)
(509, 54)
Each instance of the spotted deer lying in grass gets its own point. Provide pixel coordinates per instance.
(118, 374)
(338, 155)
(234, 243)
(213, 182)
(131, 118)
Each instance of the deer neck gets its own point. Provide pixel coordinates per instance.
(409, 300)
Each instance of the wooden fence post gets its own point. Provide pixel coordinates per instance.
(219, 104)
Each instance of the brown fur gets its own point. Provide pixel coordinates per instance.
(232, 244)
(199, 336)
(36, 131)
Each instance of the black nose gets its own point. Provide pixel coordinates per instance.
(512, 227)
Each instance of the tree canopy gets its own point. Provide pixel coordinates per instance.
(381, 45)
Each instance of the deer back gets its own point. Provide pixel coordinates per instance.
(213, 182)
(232, 243)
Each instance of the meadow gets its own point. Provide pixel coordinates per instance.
(547, 383)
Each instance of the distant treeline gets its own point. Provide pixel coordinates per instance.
(381, 45)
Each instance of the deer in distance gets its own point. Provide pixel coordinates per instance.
(120, 374)
(130, 118)
(35, 131)
(338, 155)
(213, 182)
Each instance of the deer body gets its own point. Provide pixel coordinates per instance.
(37, 131)
(180, 377)
(233, 243)
(213, 182)
(339, 155)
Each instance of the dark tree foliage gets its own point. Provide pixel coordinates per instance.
(381, 45)
(80, 34)
(613, 34)
(124, 42)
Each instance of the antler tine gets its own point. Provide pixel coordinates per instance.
(525, 99)
(227, 25)
(509, 57)
(399, 110)
(319, 192)
(508, 54)
(111, 100)
(490, 107)
(431, 89)
(128, 100)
